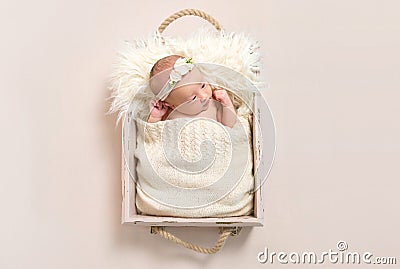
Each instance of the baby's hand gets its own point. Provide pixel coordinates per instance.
(222, 96)
(157, 110)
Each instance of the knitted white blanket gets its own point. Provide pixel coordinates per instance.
(194, 168)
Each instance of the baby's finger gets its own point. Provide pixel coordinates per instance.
(217, 94)
(220, 89)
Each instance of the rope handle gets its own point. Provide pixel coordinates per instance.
(224, 232)
(187, 12)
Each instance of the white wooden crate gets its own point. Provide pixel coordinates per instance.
(263, 128)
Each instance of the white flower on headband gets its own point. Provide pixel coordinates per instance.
(181, 67)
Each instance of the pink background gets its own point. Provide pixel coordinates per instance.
(333, 69)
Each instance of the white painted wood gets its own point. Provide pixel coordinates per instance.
(257, 147)
(265, 146)
(194, 222)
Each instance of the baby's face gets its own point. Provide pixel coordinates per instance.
(191, 95)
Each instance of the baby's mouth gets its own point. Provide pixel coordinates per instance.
(205, 102)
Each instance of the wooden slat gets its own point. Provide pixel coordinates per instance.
(194, 222)
(257, 147)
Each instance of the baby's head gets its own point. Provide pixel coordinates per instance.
(190, 95)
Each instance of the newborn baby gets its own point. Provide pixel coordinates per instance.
(191, 95)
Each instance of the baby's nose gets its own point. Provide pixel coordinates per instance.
(203, 95)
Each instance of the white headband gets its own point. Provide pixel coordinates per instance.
(181, 67)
